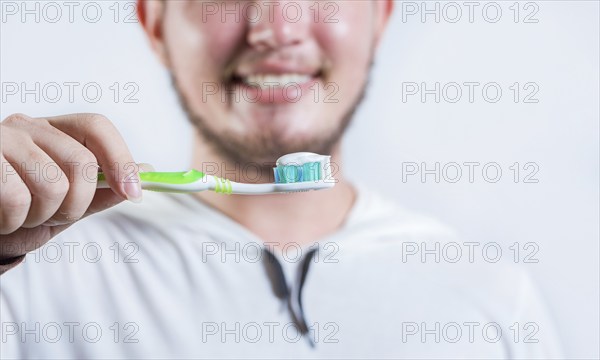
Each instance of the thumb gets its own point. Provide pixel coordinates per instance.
(106, 198)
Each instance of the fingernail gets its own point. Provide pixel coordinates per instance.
(133, 189)
(144, 167)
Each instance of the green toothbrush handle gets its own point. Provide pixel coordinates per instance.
(172, 178)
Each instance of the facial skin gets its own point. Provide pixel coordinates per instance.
(332, 53)
(328, 46)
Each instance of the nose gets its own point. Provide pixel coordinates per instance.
(276, 24)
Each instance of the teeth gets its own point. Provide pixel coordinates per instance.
(266, 81)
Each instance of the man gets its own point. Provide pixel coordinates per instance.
(315, 274)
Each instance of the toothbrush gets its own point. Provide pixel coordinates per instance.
(296, 172)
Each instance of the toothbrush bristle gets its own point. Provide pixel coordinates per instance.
(288, 174)
(301, 167)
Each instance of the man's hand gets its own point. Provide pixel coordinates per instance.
(49, 168)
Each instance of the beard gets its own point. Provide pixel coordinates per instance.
(263, 148)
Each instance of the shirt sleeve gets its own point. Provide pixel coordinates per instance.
(12, 304)
(6, 265)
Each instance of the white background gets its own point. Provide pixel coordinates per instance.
(559, 53)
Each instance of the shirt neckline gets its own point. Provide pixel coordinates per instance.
(196, 205)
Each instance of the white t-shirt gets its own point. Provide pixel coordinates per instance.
(172, 277)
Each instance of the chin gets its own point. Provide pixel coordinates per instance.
(287, 121)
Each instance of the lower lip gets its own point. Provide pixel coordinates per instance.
(288, 94)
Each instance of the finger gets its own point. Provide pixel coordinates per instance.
(105, 198)
(100, 136)
(47, 183)
(15, 198)
(80, 166)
